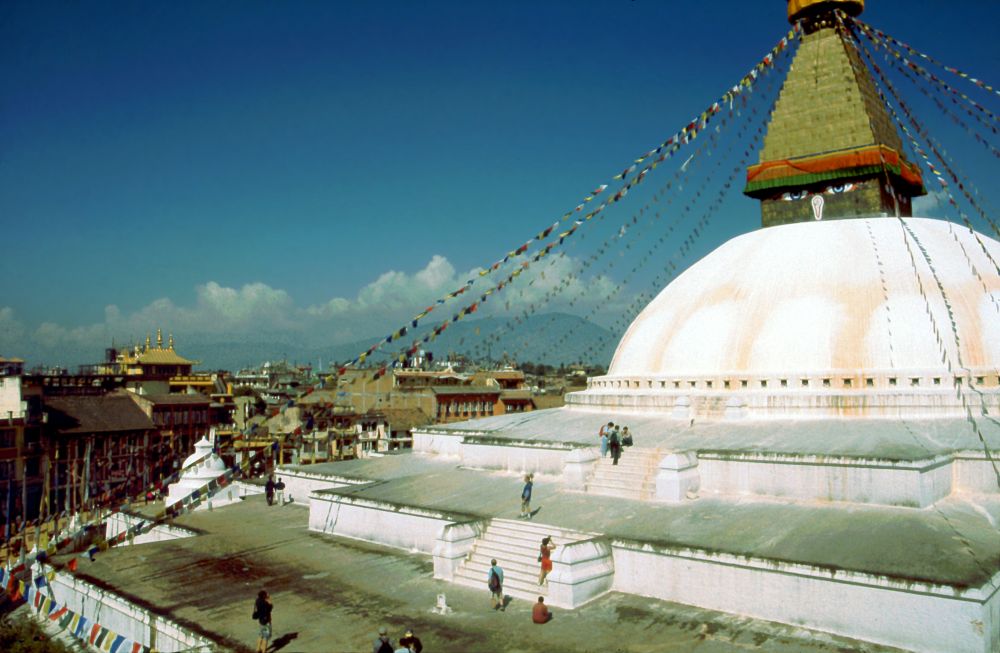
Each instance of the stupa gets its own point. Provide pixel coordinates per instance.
(200, 468)
(816, 407)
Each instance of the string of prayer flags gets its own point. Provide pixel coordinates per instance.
(662, 152)
(923, 72)
(923, 154)
(871, 31)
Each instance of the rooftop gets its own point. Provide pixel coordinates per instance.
(95, 414)
(879, 439)
(331, 594)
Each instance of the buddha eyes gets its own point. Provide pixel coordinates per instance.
(839, 188)
(796, 195)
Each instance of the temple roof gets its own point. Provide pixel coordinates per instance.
(162, 357)
(96, 414)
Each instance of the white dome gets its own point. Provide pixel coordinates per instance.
(817, 318)
(809, 297)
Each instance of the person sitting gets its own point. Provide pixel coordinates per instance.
(540, 612)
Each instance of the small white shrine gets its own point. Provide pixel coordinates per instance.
(200, 468)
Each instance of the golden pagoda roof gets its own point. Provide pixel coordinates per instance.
(158, 356)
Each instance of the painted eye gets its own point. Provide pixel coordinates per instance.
(795, 195)
(839, 188)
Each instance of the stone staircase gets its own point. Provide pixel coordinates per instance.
(634, 477)
(515, 544)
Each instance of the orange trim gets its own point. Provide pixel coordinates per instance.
(871, 155)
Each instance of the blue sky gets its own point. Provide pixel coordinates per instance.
(217, 168)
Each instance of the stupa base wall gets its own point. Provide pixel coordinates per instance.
(399, 526)
(912, 616)
(653, 395)
(910, 483)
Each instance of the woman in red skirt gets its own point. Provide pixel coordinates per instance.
(545, 557)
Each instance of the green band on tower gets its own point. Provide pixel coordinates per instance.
(831, 150)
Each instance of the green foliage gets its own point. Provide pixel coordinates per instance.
(24, 635)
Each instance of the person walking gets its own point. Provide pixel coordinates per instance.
(540, 612)
(545, 557)
(604, 445)
(262, 613)
(279, 492)
(616, 446)
(382, 643)
(494, 580)
(526, 497)
(269, 490)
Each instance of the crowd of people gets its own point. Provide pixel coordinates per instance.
(614, 439)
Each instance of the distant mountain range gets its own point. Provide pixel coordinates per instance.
(552, 338)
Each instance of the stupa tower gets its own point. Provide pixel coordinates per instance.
(831, 150)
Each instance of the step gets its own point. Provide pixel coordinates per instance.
(623, 494)
(534, 536)
(532, 541)
(510, 571)
(540, 529)
(615, 474)
(482, 563)
(517, 588)
(627, 464)
(495, 549)
(623, 482)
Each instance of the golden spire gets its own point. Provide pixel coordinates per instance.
(170, 341)
(147, 342)
(808, 8)
(159, 339)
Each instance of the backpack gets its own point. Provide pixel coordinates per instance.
(494, 582)
(386, 647)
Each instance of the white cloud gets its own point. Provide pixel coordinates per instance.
(381, 306)
(932, 205)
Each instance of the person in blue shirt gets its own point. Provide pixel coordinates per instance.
(494, 579)
(526, 497)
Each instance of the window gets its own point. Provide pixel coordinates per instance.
(980, 380)
(892, 380)
(915, 381)
(7, 438)
(937, 380)
(763, 383)
(848, 383)
(743, 383)
(725, 384)
(805, 383)
(708, 384)
(870, 382)
(826, 383)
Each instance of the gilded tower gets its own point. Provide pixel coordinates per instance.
(831, 150)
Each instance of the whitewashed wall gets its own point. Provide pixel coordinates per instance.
(117, 614)
(915, 484)
(412, 529)
(119, 522)
(915, 617)
(299, 485)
